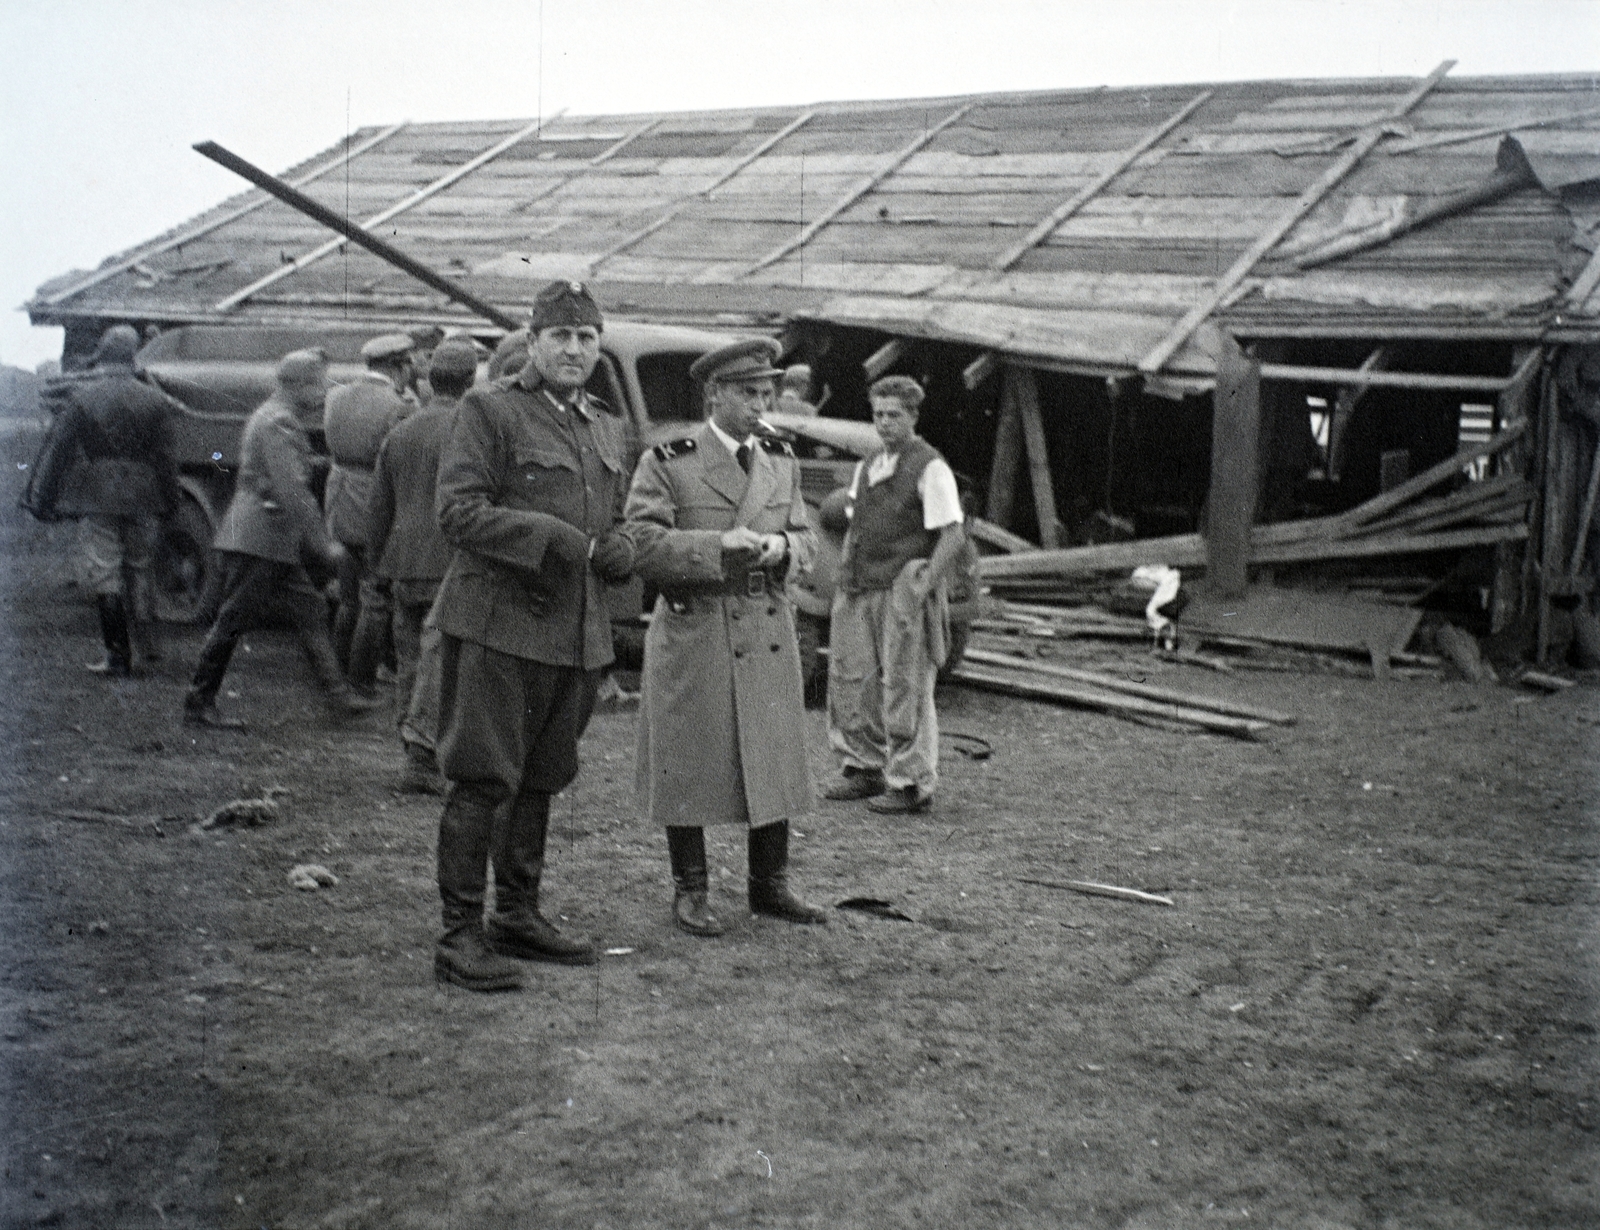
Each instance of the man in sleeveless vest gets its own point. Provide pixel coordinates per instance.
(718, 521)
(887, 636)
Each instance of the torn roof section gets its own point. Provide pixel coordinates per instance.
(1100, 230)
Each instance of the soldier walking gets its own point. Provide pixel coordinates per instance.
(718, 521)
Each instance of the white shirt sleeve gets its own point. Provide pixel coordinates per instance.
(941, 502)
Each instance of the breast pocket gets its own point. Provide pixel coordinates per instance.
(548, 480)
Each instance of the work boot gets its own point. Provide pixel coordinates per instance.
(691, 908)
(769, 877)
(854, 783)
(118, 662)
(347, 702)
(421, 774)
(901, 801)
(462, 956)
(517, 928)
(207, 714)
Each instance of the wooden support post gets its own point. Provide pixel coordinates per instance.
(1512, 406)
(1007, 460)
(1344, 406)
(1235, 470)
(1550, 527)
(1025, 396)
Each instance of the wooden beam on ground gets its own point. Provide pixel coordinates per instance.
(1025, 397)
(979, 370)
(1374, 508)
(1093, 188)
(393, 211)
(883, 358)
(1149, 691)
(1304, 204)
(233, 215)
(1235, 469)
(644, 232)
(1369, 376)
(1019, 683)
(860, 190)
(989, 532)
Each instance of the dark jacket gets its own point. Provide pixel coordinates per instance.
(357, 418)
(274, 514)
(403, 538)
(525, 484)
(109, 451)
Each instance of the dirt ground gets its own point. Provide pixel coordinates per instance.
(1372, 1004)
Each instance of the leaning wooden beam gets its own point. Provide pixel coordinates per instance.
(1015, 683)
(1388, 544)
(644, 232)
(1093, 188)
(1374, 508)
(860, 190)
(989, 532)
(979, 370)
(883, 358)
(1344, 406)
(1586, 282)
(1472, 500)
(1113, 684)
(233, 215)
(1365, 377)
(1307, 201)
(377, 219)
(1412, 144)
(1025, 396)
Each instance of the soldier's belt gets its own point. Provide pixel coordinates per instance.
(751, 583)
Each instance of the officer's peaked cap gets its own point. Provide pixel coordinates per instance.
(748, 360)
(387, 347)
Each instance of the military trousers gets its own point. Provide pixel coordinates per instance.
(416, 655)
(881, 676)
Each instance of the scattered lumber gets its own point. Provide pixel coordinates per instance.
(993, 535)
(1092, 889)
(1149, 691)
(1544, 682)
(1033, 685)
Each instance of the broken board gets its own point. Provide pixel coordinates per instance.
(1307, 620)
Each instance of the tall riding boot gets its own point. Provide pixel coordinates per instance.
(114, 632)
(516, 928)
(769, 877)
(463, 955)
(686, 847)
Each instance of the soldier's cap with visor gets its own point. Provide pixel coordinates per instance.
(454, 357)
(118, 344)
(387, 348)
(903, 389)
(566, 304)
(752, 359)
(426, 337)
(303, 366)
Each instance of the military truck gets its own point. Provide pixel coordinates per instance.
(219, 373)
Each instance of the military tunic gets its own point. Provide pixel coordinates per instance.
(721, 731)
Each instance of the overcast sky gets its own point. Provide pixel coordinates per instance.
(103, 98)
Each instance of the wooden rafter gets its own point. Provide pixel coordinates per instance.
(600, 159)
(377, 219)
(1304, 204)
(860, 190)
(177, 241)
(1093, 188)
(677, 207)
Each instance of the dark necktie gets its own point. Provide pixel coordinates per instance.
(742, 456)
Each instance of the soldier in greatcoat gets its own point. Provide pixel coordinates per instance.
(718, 522)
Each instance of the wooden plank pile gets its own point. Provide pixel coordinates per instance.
(1406, 520)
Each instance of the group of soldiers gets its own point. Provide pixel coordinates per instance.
(480, 530)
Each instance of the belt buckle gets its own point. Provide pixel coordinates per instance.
(755, 583)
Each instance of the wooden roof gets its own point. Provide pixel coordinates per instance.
(1078, 227)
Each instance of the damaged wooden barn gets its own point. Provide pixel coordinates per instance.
(1341, 335)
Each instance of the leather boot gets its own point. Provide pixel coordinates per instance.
(114, 632)
(463, 957)
(516, 928)
(691, 910)
(769, 877)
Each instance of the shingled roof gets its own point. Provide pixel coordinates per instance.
(1096, 230)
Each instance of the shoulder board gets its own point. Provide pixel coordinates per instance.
(773, 445)
(600, 404)
(675, 448)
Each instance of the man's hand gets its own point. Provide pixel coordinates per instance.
(742, 538)
(920, 582)
(773, 548)
(569, 543)
(612, 555)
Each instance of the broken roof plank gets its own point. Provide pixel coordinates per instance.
(1072, 204)
(861, 190)
(1157, 358)
(438, 185)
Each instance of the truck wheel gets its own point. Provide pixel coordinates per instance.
(809, 633)
(185, 577)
